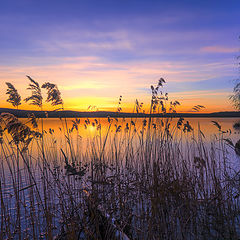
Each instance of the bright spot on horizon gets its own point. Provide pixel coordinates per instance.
(91, 128)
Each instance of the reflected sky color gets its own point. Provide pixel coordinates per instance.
(98, 50)
(90, 130)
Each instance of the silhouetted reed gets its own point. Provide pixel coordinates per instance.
(14, 97)
(235, 97)
(36, 97)
(53, 94)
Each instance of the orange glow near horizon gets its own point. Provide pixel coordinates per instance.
(187, 100)
(100, 88)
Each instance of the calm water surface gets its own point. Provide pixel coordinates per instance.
(206, 125)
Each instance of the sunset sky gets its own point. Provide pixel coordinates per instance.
(97, 50)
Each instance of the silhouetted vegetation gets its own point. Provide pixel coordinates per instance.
(140, 178)
(14, 97)
(235, 98)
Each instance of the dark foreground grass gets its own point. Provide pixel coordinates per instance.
(152, 182)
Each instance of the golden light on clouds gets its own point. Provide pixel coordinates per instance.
(85, 81)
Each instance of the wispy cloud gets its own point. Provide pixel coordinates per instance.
(219, 49)
(73, 72)
(56, 45)
(92, 78)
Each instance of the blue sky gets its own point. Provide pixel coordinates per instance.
(98, 50)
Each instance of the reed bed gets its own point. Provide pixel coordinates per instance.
(154, 180)
(166, 184)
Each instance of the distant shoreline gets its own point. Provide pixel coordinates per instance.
(103, 114)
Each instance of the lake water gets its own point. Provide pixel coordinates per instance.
(93, 128)
(94, 138)
(87, 135)
(90, 127)
(206, 125)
